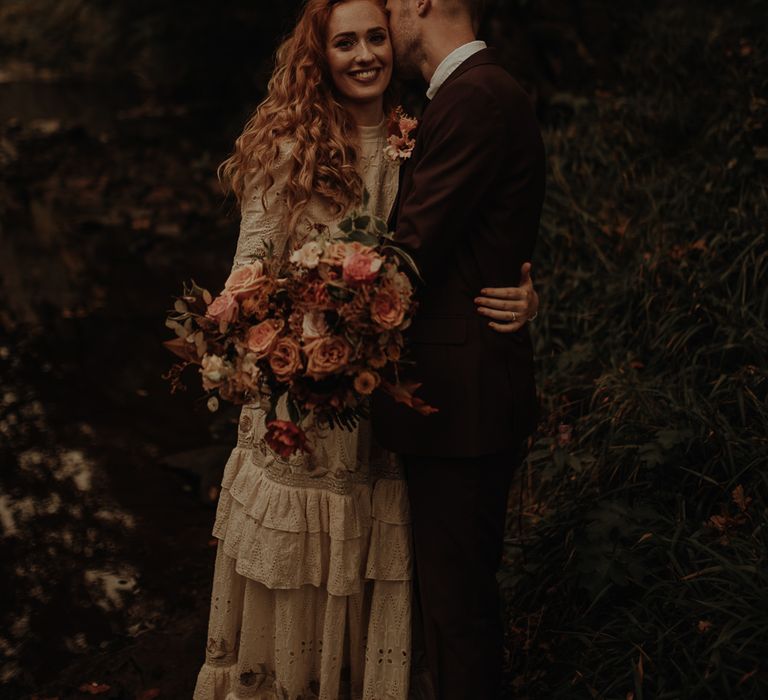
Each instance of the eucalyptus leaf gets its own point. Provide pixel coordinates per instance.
(409, 261)
(363, 237)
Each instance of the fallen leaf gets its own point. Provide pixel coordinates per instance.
(740, 499)
(94, 688)
(704, 626)
(148, 694)
(747, 676)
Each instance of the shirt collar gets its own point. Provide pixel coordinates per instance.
(451, 62)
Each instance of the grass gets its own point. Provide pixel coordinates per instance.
(637, 566)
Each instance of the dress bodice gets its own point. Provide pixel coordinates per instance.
(259, 225)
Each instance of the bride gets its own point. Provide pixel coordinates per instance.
(312, 581)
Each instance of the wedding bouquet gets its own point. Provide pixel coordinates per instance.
(323, 332)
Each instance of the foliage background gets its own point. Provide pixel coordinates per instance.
(636, 555)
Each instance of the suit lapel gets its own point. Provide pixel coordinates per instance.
(480, 58)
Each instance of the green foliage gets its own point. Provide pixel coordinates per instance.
(638, 565)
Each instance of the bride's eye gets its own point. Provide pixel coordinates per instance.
(344, 44)
(379, 38)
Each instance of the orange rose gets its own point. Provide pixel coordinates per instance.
(260, 339)
(393, 351)
(387, 308)
(257, 305)
(285, 359)
(377, 358)
(366, 382)
(326, 356)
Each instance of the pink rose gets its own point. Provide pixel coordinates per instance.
(387, 308)
(285, 438)
(362, 267)
(245, 279)
(224, 308)
(261, 338)
(326, 356)
(285, 359)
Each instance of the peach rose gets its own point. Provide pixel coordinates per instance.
(336, 253)
(285, 359)
(223, 308)
(285, 438)
(261, 338)
(326, 356)
(245, 279)
(387, 308)
(362, 267)
(366, 382)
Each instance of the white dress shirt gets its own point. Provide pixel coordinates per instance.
(451, 62)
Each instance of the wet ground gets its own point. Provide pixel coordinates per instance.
(108, 201)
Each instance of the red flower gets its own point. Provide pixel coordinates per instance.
(285, 438)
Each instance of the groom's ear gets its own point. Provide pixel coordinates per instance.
(423, 7)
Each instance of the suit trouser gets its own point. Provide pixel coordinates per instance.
(458, 512)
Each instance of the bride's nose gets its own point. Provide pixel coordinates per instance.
(364, 55)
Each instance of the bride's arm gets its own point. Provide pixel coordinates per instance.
(510, 308)
(260, 226)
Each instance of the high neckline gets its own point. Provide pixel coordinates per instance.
(371, 133)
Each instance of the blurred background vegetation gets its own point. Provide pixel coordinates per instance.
(636, 555)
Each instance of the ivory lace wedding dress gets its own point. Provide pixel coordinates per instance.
(312, 582)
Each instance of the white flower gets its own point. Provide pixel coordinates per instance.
(314, 325)
(308, 255)
(215, 371)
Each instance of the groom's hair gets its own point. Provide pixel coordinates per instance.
(475, 9)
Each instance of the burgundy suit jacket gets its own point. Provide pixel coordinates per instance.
(468, 210)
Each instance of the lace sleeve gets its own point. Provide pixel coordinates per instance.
(259, 226)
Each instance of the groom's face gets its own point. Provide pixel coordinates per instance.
(405, 37)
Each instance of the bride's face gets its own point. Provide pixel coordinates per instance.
(359, 50)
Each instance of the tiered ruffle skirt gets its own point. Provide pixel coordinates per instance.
(312, 582)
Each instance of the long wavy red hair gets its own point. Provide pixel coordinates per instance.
(301, 106)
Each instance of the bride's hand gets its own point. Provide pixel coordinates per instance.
(510, 308)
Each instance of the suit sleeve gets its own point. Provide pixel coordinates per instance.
(464, 149)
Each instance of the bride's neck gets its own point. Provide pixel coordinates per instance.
(366, 113)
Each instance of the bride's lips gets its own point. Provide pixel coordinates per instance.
(368, 75)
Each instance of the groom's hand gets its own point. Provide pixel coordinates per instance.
(510, 308)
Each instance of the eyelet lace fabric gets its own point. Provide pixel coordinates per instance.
(312, 581)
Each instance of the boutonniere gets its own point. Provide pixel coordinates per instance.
(400, 143)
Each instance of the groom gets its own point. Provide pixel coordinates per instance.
(469, 205)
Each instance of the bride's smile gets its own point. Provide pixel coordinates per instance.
(359, 52)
